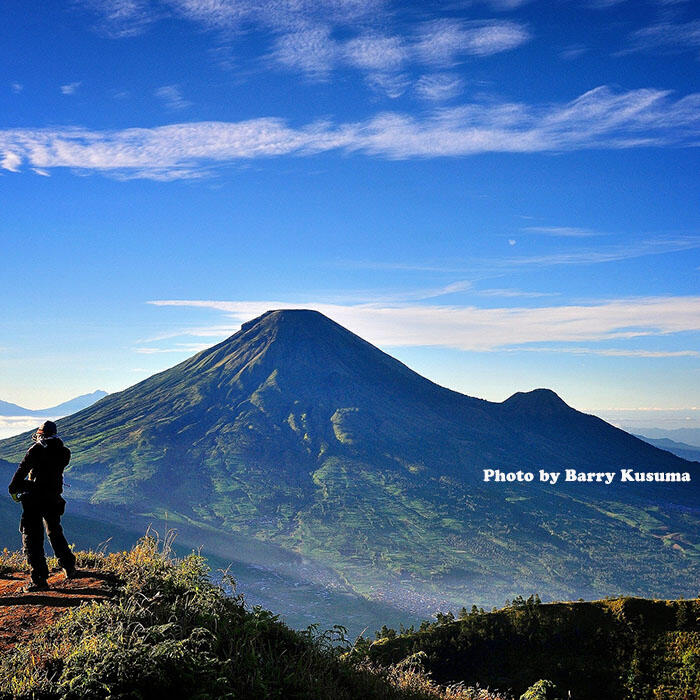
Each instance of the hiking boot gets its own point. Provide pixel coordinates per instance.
(71, 573)
(34, 587)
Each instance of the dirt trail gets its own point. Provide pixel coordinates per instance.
(24, 614)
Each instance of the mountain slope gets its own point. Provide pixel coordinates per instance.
(298, 432)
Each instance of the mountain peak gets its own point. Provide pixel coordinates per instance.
(276, 316)
(314, 352)
(292, 326)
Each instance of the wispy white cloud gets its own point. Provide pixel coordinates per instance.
(376, 53)
(600, 118)
(123, 18)
(453, 268)
(653, 409)
(485, 268)
(70, 88)
(278, 15)
(11, 161)
(573, 51)
(392, 85)
(646, 353)
(313, 50)
(629, 251)
(423, 294)
(514, 293)
(603, 4)
(673, 37)
(504, 5)
(563, 231)
(178, 348)
(482, 329)
(439, 87)
(613, 352)
(443, 41)
(214, 331)
(492, 38)
(168, 151)
(302, 31)
(382, 59)
(310, 50)
(172, 97)
(215, 14)
(17, 87)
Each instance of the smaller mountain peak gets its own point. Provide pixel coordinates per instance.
(541, 393)
(537, 400)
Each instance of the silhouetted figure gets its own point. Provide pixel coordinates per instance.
(38, 484)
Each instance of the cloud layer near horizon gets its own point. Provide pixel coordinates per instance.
(483, 329)
(600, 118)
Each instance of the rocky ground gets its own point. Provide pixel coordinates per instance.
(23, 614)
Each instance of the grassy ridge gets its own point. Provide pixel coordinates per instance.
(622, 648)
(171, 633)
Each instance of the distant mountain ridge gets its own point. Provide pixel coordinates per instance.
(296, 431)
(681, 449)
(690, 436)
(60, 410)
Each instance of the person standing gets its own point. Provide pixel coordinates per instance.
(38, 484)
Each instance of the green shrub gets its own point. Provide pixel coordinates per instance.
(542, 690)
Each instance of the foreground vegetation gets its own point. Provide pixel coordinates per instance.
(619, 648)
(170, 632)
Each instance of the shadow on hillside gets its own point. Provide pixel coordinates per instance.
(52, 601)
(97, 575)
(12, 576)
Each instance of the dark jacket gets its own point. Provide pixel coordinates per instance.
(41, 471)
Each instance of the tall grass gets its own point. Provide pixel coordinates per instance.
(170, 632)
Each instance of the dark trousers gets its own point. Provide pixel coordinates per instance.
(39, 514)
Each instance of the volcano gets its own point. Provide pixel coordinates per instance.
(297, 432)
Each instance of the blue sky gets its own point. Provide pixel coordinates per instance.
(503, 194)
